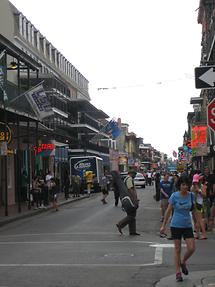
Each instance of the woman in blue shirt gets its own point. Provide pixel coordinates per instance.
(181, 202)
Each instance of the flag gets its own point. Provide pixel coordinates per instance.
(174, 153)
(113, 129)
(110, 128)
(39, 102)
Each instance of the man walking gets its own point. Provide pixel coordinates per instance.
(130, 219)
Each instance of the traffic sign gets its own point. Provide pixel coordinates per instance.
(211, 115)
(205, 77)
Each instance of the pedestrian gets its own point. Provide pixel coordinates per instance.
(212, 217)
(36, 192)
(174, 183)
(76, 185)
(149, 178)
(165, 193)
(47, 188)
(130, 219)
(66, 182)
(104, 188)
(54, 190)
(182, 201)
(116, 191)
(157, 186)
(89, 181)
(210, 198)
(200, 192)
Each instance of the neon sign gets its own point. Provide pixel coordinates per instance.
(43, 148)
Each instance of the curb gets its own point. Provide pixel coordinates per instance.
(194, 279)
(5, 220)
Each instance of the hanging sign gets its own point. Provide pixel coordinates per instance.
(5, 133)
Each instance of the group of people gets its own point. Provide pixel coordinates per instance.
(189, 200)
(45, 190)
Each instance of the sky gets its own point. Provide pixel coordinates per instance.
(142, 52)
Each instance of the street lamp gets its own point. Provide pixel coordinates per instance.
(4, 98)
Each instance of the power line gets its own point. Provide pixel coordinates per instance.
(187, 77)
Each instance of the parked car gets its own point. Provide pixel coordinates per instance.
(140, 180)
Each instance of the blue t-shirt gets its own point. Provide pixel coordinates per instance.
(181, 204)
(167, 188)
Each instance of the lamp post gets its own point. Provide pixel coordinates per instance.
(4, 98)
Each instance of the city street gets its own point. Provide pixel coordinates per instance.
(80, 246)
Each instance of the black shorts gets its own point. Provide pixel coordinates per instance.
(177, 233)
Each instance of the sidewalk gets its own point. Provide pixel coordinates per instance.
(194, 279)
(14, 214)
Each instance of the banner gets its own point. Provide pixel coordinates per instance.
(199, 140)
(199, 135)
(39, 102)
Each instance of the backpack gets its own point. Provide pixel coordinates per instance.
(127, 204)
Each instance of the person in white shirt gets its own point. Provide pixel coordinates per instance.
(149, 178)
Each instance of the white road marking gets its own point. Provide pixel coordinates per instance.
(167, 245)
(159, 251)
(77, 265)
(56, 234)
(158, 258)
(116, 255)
(66, 233)
(71, 241)
(158, 255)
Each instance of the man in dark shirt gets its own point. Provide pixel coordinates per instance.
(165, 193)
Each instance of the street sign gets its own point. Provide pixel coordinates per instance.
(211, 115)
(205, 77)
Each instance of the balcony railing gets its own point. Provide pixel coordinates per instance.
(90, 146)
(210, 37)
(85, 119)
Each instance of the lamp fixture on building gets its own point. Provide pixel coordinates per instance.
(13, 65)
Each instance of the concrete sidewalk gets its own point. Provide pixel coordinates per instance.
(14, 214)
(194, 279)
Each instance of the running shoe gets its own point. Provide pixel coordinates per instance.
(184, 269)
(179, 277)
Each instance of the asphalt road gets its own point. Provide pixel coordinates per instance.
(80, 246)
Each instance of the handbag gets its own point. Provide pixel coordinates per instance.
(128, 205)
(199, 206)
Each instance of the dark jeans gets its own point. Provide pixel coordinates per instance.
(129, 220)
(36, 197)
(116, 199)
(45, 195)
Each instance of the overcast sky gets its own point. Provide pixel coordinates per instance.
(143, 51)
